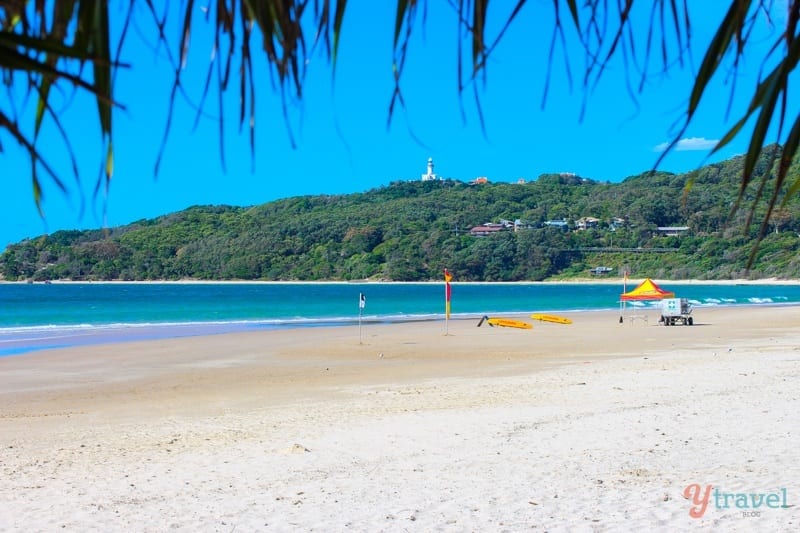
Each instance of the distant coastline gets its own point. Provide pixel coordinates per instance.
(574, 281)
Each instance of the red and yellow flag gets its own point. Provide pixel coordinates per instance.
(447, 278)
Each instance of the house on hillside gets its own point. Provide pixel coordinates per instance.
(487, 229)
(560, 224)
(479, 180)
(671, 231)
(600, 271)
(586, 223)
(616, 223)
(521, 224)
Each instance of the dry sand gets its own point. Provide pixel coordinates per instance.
(592, 426)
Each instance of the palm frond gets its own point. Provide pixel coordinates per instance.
(35, 43)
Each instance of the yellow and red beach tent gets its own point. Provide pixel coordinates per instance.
(646, 290)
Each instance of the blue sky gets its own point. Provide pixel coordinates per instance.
(340, 126)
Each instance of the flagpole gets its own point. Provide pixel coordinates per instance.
(362, 301)
(624, 290)
(447, 318)
(447, 278)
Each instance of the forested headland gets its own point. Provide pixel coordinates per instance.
(559, 226)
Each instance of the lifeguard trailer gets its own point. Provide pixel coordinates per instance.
(674, 310)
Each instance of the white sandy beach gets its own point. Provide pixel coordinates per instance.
(594, 426)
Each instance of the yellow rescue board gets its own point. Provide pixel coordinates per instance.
(551, 318)
(509, 323)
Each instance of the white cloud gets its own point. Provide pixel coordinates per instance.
(689, 144)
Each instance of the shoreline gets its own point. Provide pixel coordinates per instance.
(578, 281)
(40, 338)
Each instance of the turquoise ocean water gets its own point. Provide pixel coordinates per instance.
(41, 316)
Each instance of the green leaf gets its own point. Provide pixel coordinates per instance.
(109, 162)
(337, 29)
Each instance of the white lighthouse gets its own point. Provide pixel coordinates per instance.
(429, 176)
